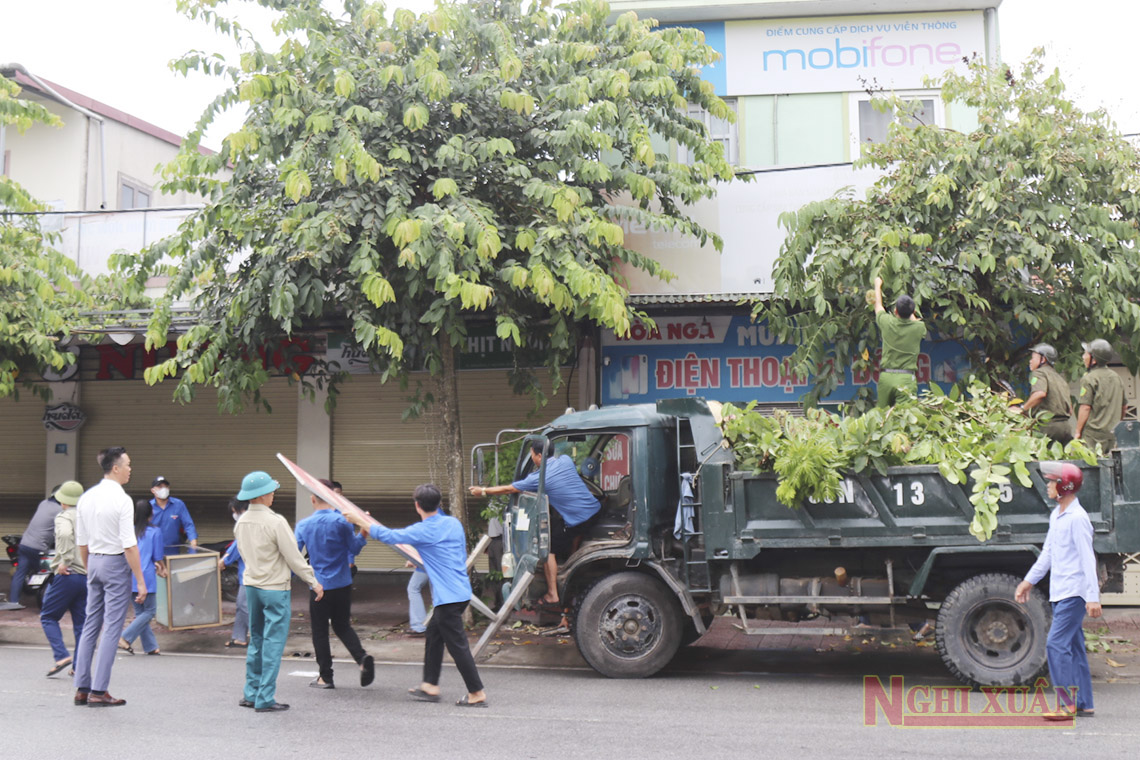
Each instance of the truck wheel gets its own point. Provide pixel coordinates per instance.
(628, 626)
(987, 639)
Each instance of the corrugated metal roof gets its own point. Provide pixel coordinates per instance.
(647, 299)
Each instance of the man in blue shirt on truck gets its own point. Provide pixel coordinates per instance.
(577, 508)
(442, 545)
(171, 517)
(331, 542)
(1074, 590)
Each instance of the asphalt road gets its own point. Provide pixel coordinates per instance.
(185, 706)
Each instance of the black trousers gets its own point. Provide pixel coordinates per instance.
(335, 607)
(446, 629)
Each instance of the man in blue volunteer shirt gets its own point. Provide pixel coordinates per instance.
(568, 495)
(171, 517)
(331, 542)
(442, 545)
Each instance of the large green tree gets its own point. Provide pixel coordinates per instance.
(39, 299)
(1021, 231)
(401, 176)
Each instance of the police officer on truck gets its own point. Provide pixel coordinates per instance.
(1049, 392)
(1100, 403)
(902, 333)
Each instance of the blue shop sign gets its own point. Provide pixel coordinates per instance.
(731, 358)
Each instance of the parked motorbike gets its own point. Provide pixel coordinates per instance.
(35, 582)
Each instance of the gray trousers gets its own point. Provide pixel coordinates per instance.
(108, 597)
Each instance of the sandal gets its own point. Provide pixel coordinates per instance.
(466, 703)
(419, 695)
(125, 647)
(154, 652)
(58, 667)
(236, 643)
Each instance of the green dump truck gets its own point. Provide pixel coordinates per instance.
(685, 536)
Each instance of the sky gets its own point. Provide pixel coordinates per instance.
(118, 51)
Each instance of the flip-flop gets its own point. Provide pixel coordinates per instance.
(58, 667)
(367, 670)
(544, 606)
(236, 643)
(419, 695)
(465, 703)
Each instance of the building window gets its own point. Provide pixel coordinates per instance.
(719, 130)
(871, 125)
(133, 194)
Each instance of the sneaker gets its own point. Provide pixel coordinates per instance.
(13, 606)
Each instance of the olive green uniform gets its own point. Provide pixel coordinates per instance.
(898, 362)
(1056, 402)
(1103, 392)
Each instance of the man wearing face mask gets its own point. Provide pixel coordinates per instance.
(171, 517)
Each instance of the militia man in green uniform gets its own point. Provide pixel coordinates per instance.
(902, 333)
(1049, 392)
(1100, 403)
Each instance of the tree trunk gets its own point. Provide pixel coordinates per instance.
(446, 392)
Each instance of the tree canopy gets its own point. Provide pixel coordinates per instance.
(39, 298)
(1019, 232)
(402, 176)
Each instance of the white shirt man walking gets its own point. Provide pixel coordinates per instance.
(1074, 590)
(104, 532)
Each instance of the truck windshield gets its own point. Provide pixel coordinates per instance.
(603, 459)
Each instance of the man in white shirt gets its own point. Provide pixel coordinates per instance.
(1074, 590)
(104, 532)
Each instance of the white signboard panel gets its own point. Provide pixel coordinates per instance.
(746, 215)
(848, 53)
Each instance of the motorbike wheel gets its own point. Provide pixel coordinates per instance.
(41, 591)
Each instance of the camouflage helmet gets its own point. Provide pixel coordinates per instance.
(1047, 352)
(1099, 349)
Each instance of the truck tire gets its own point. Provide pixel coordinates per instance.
(987, 639)
(628, 626)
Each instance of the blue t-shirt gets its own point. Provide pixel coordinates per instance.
(173, 521)
(442, 545)
(330, 541)
(564, 489)
(151, 550)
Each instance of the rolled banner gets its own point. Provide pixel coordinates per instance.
(343, 505)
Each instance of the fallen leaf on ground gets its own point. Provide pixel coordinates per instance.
(1113, 663)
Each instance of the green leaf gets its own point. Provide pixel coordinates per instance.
(416, 116)
(443, 187)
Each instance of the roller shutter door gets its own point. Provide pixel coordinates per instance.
(23, 442)
(202, 452)
(380, 458)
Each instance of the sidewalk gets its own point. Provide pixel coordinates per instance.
(380, 616)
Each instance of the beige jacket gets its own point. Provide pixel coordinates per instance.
(66, 552)
(269, 549)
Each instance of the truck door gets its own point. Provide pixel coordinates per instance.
(528, 532)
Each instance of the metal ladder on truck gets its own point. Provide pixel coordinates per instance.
(695, 570)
